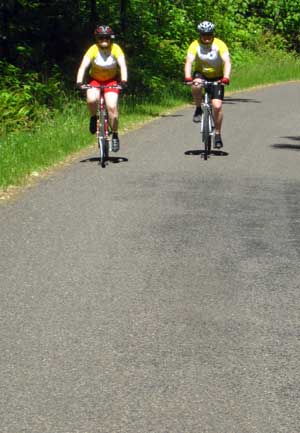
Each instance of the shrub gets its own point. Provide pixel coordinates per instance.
(24, 98)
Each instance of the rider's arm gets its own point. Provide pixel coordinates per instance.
(86, 61)
(188, 65)
(123, 68)
(227, 65)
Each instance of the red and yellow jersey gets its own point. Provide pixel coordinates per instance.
(104, 63)
(208, 58)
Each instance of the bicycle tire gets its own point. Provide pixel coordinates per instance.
(208, 146)
(102, 152)
(206, 137)
(106, 141)
(102, 141)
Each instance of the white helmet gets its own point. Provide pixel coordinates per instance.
(206, 27)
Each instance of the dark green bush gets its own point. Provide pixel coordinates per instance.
(25, 99)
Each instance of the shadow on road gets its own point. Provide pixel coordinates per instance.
(112, 159)
(229, 100)
(291, 137)
(288, 145)
(171, 115)
(201, 152)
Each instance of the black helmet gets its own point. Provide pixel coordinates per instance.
(206, 27)
(104, 31)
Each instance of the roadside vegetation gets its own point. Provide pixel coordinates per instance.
(43, 120)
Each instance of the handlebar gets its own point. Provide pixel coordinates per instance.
(204, 83)
(88, 86)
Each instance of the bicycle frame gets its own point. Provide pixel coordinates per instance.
(102, 131)
(207, 119)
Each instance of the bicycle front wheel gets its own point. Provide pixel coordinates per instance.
(102, 151)
(206, 133)
(102, 140)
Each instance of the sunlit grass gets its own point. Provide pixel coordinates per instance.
(21, 153)
(264, 72)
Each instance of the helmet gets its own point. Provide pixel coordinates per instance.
(104, 31)
(206, 27)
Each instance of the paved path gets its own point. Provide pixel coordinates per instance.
(161, 294)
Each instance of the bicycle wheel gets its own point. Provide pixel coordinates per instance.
(106, 141)
(206, 137)
(102, 142)
(102, 151)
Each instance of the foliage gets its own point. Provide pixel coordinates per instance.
(41, 43)
(24, 98)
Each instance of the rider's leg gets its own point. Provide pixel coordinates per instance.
(197, 92)
(218, 114)
(111, 100)
(197, 96)
(218, 117)
(92, 97)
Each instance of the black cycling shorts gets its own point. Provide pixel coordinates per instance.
(217, 92)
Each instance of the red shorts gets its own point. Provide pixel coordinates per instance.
(111, 82)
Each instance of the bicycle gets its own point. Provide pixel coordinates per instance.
(207, 125)
(102, 131)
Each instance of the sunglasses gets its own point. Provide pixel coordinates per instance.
(103, 38)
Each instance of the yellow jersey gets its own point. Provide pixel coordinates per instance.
(208, 58)
(104, 63)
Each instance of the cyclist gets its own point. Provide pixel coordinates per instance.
(104, 60)
(211, 60)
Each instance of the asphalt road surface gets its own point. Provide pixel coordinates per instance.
(160, 294)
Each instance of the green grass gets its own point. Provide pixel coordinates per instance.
(23, 153)
(263, 72)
